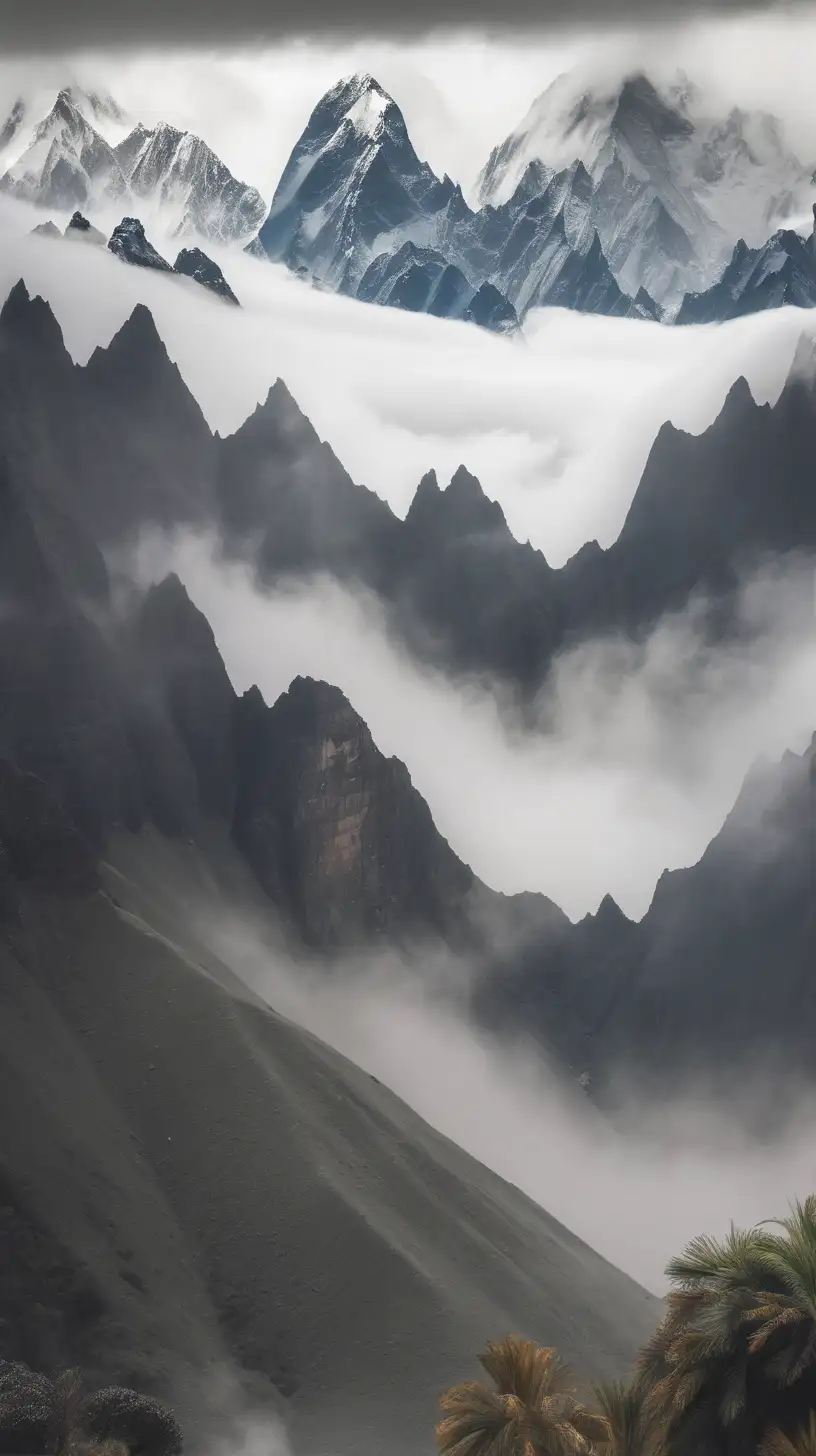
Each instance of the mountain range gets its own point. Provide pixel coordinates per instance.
(194, 1188)
(198, 1197)
(64, 162)
(710, 510)
(623, 200)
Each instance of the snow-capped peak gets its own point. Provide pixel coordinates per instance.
(367, 112)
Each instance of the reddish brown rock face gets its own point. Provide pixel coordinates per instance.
(335, 831)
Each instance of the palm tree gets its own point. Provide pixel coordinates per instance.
(629, 1420)
(735, 1354)
(803, 1443)
(531, 1410)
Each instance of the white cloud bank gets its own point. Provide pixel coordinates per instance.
(557, 426)
(644, 754)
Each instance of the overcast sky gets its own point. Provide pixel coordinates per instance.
(53, 25)
(461, 91)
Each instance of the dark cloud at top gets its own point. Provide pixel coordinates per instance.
(43, 26)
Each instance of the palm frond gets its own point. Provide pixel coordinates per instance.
(803, 1443)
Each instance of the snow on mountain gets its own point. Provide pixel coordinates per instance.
(83, 151)
(180, 175)
(97, 107)
(67, 163)
(358, 210)
(782, 271)
(424, 281)
(353, 187)
(674, 187)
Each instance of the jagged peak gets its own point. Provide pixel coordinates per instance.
(315, 699)
(280, 399)
(429, 485)
(595, 252)
(609, 914)
(23, 312)
(16, 298)
(66, 107)
(465, 490)
(169, 618)
(253, 700)
(350, 87)
(738, 397)
(803, 363)
(138, 339)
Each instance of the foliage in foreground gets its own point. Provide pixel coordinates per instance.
(40, 1415)
(730, 1370)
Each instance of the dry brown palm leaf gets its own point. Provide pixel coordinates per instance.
(802, 1443)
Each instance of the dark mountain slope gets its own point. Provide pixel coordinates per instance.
(122, 443)
(229, 1188)
(715, 986)
(198, 1197)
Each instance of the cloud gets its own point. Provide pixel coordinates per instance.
(645, 748)
(693, 1161)
(557, 426)
(51, 26)
(461, 92)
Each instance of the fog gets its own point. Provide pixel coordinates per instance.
(636, 1192)
(557, 425)
(644, 751)
(461, 91)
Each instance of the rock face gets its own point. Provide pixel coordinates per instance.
(178, 1147)
(192, 263)
(334, 831)
(782, 271)
(717, 977)
(423, 281)
(80, 230)
(672, 188)
(68, 163)
(178, 172)
(356, 209)
(40, 846)
(46, 230)
(455, 583)
(353, 179)
(128, 243)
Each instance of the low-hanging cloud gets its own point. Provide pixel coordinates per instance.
(644, 748)
(557, 426)
(694, 1160)
(50, 25)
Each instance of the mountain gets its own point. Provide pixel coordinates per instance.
(128, 243)
(780, 272)
(179, 174)
(423, 281)
(80, 230)
(206, 1189)
(672, 185)
(455, 584)
(541, 247)
(192, 263)
(357, 209)
(84, 154)
(67, 164)
(352, 183)
(97, 107)
(195, 1192)
(715, 981)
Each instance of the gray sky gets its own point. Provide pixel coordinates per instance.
(51, 25)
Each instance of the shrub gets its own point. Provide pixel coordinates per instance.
(26, 1402)
(146, 1426)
